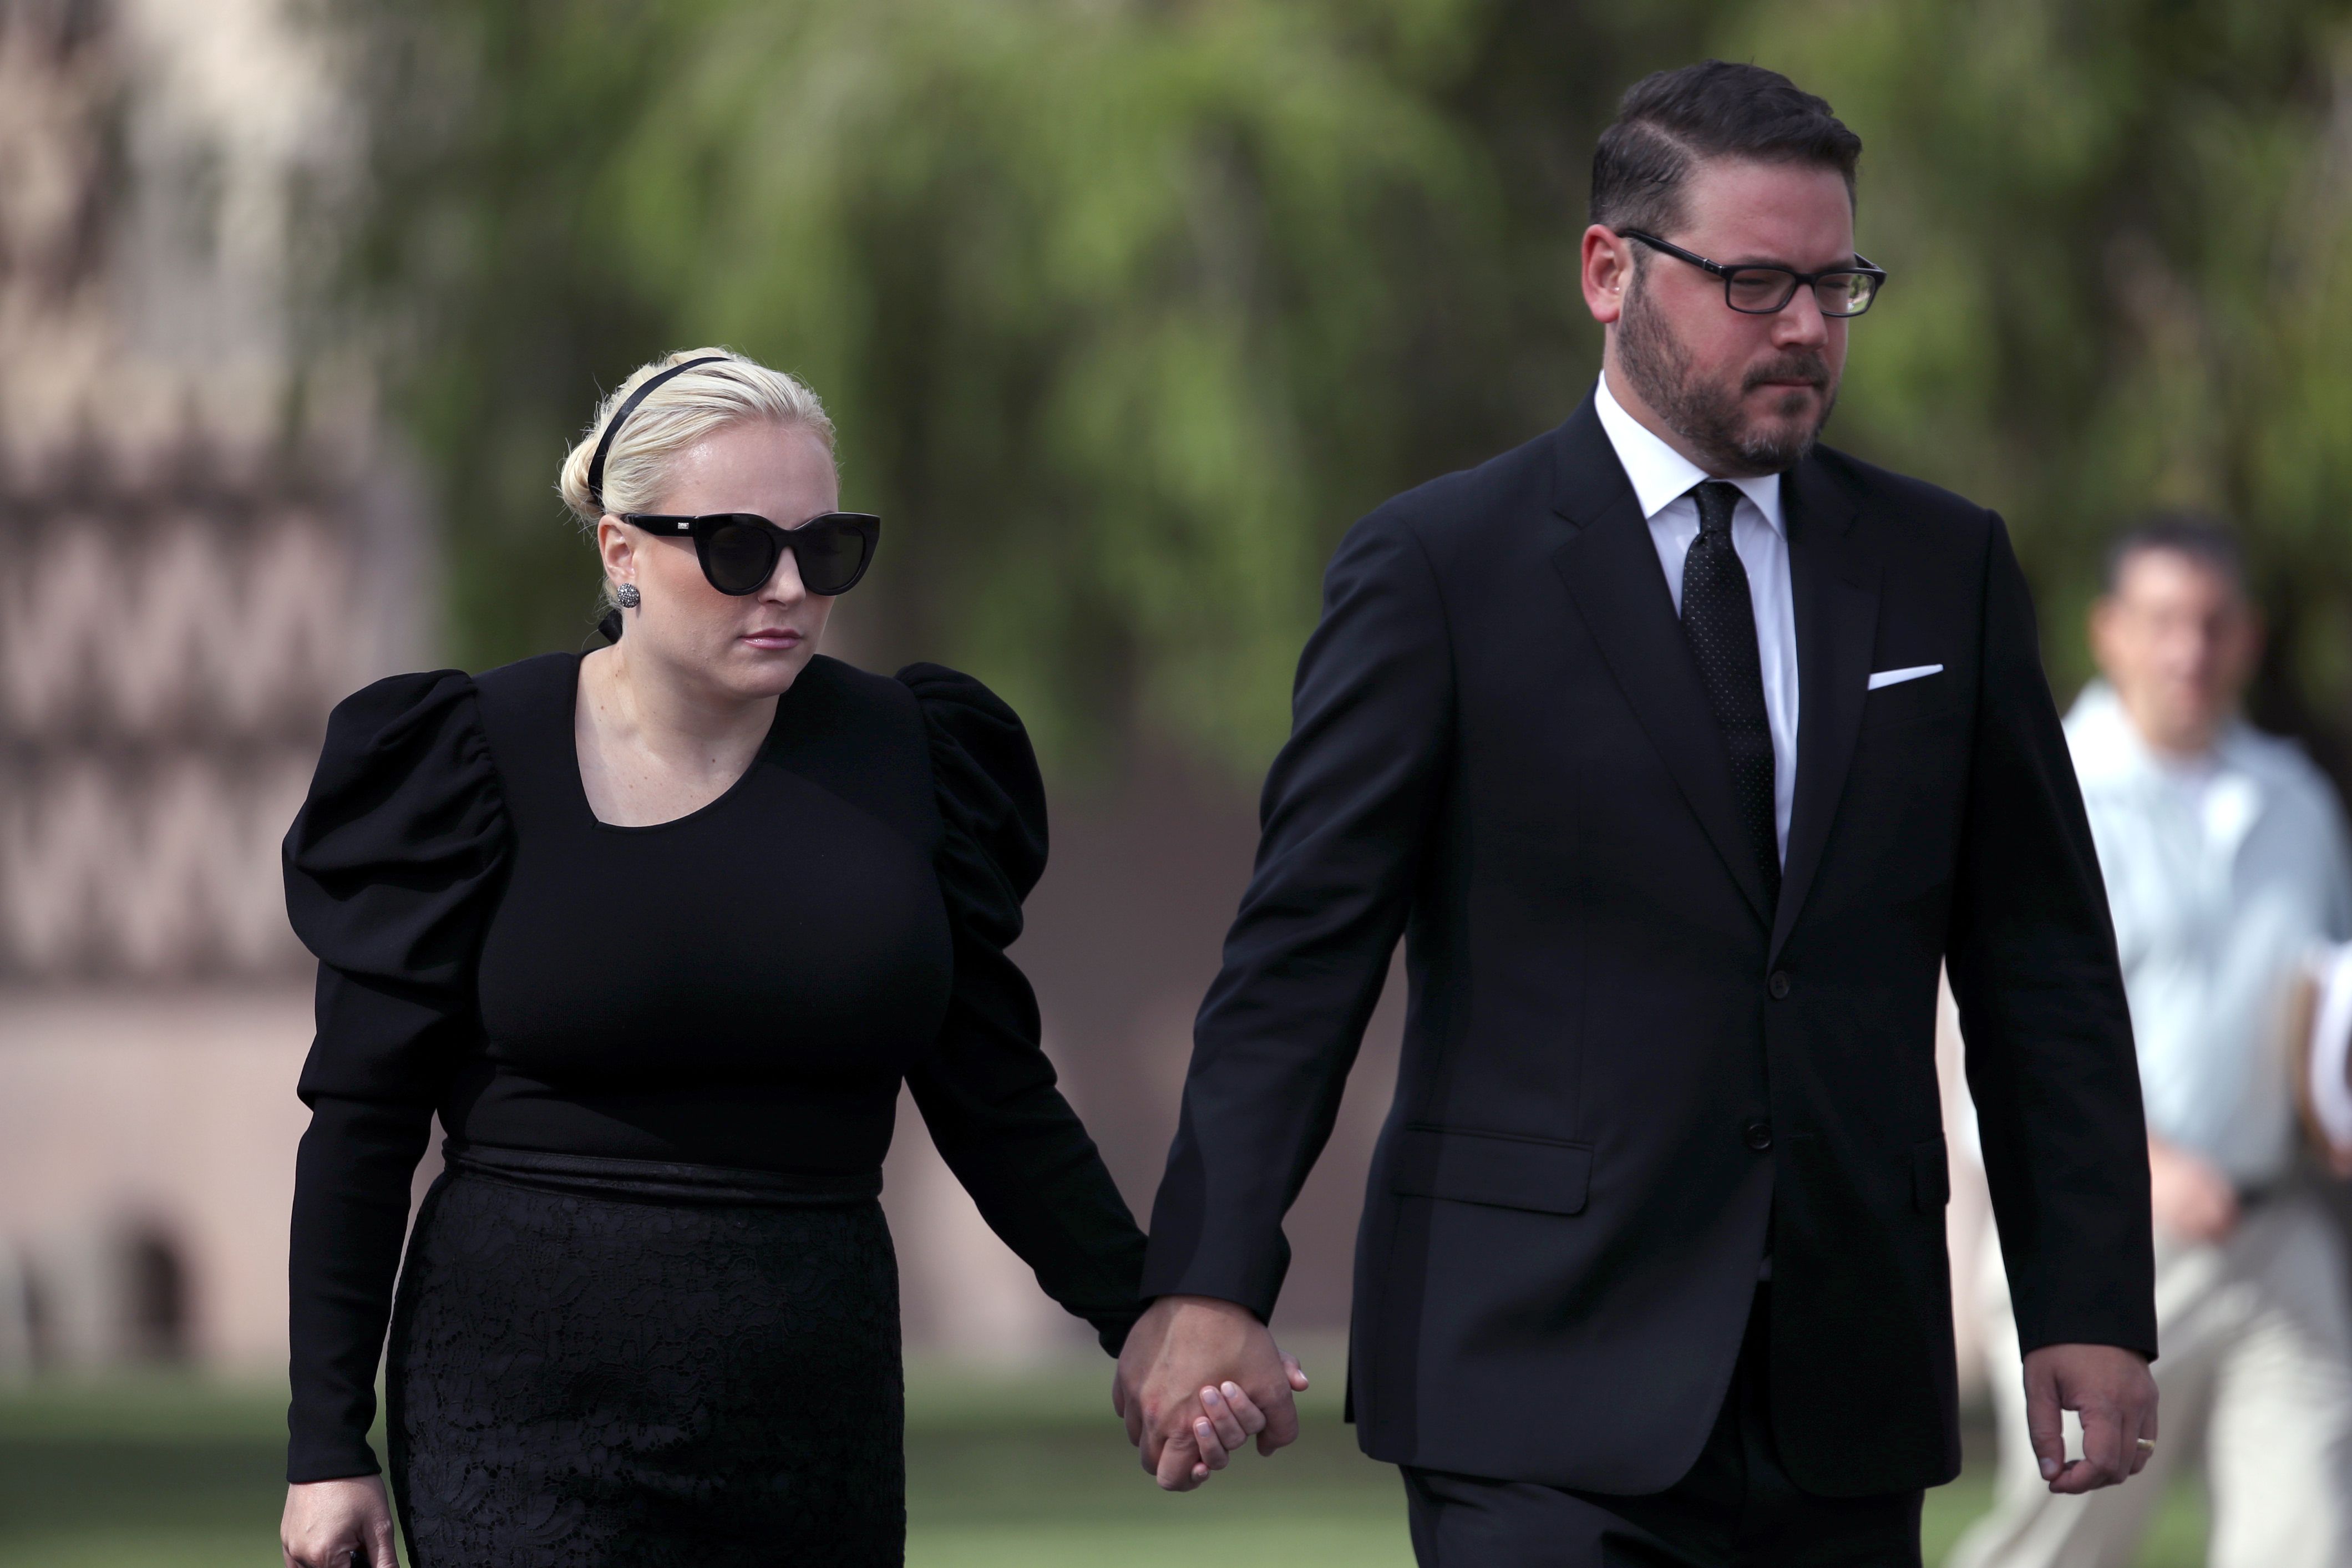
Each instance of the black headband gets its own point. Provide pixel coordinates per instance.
(612, 428)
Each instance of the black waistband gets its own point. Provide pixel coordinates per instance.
(660, 1181)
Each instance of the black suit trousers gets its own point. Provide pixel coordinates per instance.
(1736, 1509)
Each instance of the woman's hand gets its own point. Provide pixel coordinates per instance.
(343, 1523)
(1186, 1348)
(1229, 1418)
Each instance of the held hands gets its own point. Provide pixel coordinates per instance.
(341, 1523)
(1200, 1377)
(2113, 1392)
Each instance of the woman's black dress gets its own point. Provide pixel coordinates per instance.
(649, 1310)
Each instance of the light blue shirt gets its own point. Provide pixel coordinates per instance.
(2223, 874)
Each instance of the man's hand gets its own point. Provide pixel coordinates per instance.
(2113, 1392)
(2193, 1200)
(1198, 1377)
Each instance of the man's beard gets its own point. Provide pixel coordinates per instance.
(1710, 416)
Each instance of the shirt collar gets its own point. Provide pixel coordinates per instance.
(1661, 474)
(2107, 746)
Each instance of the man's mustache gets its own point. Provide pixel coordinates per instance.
(1811, 369)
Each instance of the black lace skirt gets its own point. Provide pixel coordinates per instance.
(599, 1361)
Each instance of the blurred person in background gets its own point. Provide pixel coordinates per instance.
(2225, 858)
(1681, 751)
(658, 930)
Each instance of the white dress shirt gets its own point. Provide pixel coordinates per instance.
(1662, 479)
(2223, 874)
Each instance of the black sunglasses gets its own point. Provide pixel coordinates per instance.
(1767, 290)
(738, 551)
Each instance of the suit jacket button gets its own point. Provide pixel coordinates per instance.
(1759, 1135)
(1778, 983)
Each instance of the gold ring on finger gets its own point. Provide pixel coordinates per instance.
(2147, 1445)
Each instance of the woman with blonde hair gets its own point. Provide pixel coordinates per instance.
(658, 930)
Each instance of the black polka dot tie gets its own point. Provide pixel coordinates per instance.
(1719, 620)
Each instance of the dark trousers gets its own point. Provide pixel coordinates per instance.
(1736, 1509)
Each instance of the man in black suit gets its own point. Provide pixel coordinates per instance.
(1681, 752)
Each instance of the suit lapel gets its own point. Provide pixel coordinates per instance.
(1835, 588)
(1610, 567)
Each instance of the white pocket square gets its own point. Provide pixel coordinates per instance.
(1897, 677)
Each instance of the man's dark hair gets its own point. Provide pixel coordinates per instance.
(2202, 536)
(1670, 121)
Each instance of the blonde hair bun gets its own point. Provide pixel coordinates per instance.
(676, 414)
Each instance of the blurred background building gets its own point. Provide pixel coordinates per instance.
(211, 541)
(1125, 311)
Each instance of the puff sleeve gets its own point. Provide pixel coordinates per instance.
(391, 870)
(985, 1088)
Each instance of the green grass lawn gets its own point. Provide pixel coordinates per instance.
(134, 1472)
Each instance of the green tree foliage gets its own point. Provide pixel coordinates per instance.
(1104, 299)
(1127, 308)
(2121, 234)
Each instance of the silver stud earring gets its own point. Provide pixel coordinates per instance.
(628, 598)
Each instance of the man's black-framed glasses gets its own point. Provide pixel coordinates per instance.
(738, 551)
(1767, 290)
